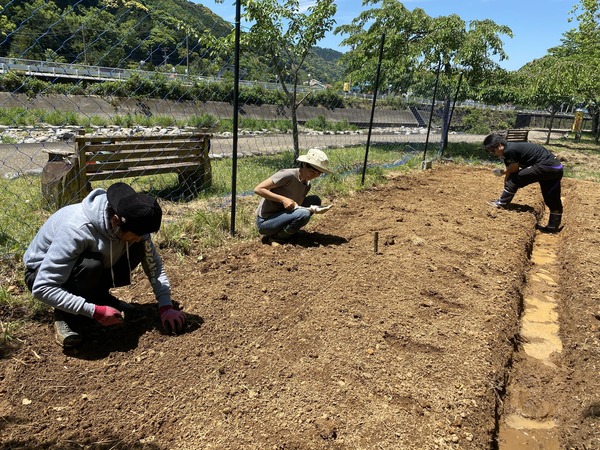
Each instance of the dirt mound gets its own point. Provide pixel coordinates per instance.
(324, 343)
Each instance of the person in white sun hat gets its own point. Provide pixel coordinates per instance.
(285, 206)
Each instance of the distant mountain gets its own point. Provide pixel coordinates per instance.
(327, 54)
(198, 17)
(132, 34)
(112, 33)
(324, 66)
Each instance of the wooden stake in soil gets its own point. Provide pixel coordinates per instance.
(375, 241)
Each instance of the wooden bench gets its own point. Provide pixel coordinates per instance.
(517, 135)
(68, 175)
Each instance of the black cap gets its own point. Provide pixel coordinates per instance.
(138, 212)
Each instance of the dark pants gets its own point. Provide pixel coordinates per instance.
(547, 176)
(90, 280)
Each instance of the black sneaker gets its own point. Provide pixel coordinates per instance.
(275, 242)
(496, 204)
(63, 333)
(548, 230)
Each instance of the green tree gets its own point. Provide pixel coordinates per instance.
(416, 42)
(500, 87)
(548, 83)
(404, 31)
(40, 28)
(6, 25)
(96, 37)
(581, 49)
(459, 47)
(285, 36)
(116, 33)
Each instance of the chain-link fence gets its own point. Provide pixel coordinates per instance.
(94, 92)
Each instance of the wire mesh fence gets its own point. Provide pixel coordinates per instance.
(126, 91)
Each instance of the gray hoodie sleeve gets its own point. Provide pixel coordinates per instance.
(155, 271)
(55, 269)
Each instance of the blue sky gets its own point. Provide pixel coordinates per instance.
(536, 24)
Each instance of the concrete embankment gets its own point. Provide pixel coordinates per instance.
(109, 107)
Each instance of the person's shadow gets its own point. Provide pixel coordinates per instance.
(316, 239)
(520, 208)
(99, 341)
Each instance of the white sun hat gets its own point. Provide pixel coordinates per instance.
(316, 158)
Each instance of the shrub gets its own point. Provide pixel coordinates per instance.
(322, 124)
(203, 121)
(327, 98)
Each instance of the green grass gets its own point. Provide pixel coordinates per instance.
(8, 332)
(322, 124)
(33, 117)
(22, 213)
(581, 159)
(282, 125)
(19, 308)
(468, 153)
(21, 117)
(7, 140)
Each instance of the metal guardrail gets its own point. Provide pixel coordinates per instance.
(63, 70)
(49, 69)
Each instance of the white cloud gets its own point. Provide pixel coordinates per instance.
(304, 5)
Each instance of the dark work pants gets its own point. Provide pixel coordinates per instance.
(90, 280)
(547, 176)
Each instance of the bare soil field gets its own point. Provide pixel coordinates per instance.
(326, 344)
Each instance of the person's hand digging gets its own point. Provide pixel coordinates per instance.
(107, 315)
(173, 321)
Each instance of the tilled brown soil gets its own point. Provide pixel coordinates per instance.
(325, 344)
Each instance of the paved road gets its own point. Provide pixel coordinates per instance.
(31, 158)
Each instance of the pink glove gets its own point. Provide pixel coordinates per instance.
(173, 320)
(107, 315)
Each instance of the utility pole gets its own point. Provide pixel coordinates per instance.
(187, 54)
(85, 60)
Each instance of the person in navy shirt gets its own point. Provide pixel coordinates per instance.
(528, 163)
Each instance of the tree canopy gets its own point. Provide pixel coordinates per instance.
(416, 42)
(570, 73)
(285, 36)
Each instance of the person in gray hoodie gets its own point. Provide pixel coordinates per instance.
(84, 250)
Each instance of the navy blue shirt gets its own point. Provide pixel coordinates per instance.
(528, 154)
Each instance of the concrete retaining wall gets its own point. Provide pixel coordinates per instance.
(97, 106)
